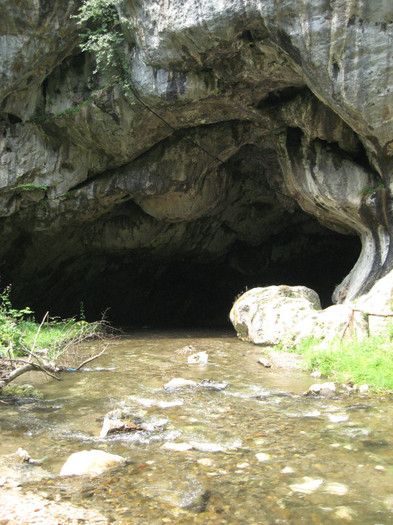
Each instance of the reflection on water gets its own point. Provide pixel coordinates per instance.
(262, 453)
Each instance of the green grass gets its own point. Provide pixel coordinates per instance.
(52, 339)
(368, 361)
(54, 334)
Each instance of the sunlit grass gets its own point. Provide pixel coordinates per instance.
(367, 361)
(52, 334)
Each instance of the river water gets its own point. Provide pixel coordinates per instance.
(262, 452)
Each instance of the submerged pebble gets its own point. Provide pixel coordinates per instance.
(261, 456)
(179, 382)
(338, 489)
(200, 358)
(178, 447)
(207, 447)
(345, 513)
(308, 486)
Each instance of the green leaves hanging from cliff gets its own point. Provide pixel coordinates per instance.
(102, 35)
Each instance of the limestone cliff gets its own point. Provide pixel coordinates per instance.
(243, 115)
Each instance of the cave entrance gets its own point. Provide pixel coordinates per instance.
(141, 291)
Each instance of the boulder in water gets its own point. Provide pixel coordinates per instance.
(90, 462)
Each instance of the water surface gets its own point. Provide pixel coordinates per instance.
(280, 457)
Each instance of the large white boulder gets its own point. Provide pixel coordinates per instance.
(287, 314)
(90, 462)
(271, 315)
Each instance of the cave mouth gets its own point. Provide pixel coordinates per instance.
(136, 290)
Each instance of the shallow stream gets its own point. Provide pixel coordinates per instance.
(262, 452)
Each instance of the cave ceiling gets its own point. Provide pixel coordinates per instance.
(243, 154)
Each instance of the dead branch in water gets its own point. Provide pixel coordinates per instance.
(9, 369)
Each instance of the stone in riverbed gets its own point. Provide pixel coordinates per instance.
(90, 462)
(112, 426)
(207, 447)
(322, 389)
(345, 513)
(213, 385)
(200, 358)
(338, 489)
(179, 382)
(308, 486)
(177, 447)
(261, 456)
(264, 362)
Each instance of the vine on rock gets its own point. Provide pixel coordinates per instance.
(102, 35)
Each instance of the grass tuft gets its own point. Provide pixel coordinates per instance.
(367, 361)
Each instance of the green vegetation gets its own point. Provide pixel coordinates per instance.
(368, 190)
(102, 35)
(367, 361)
(30, 186)
(49, 346)
(69, 111)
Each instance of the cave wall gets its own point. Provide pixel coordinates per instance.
(245, 119)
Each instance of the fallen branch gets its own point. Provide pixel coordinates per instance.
(49, 370)
(52, 368)
(38, 333)
(372, 313)
(90, 359)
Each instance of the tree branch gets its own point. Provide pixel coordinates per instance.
(90, 359)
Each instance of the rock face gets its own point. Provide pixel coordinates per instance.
(245, 121)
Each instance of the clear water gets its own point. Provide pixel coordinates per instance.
(284, 458)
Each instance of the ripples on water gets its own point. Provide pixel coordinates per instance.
(262, 453)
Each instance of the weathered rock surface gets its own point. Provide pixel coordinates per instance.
(269, 316)
(244, 115)
(287, 314)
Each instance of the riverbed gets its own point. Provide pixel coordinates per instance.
(262, 452)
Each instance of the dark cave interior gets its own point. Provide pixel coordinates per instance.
(137, 290)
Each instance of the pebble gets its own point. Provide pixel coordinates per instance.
(169, 404)
(338, 418)
(321, 388)
(379, 467)
(178, 447)
(207, 447)
(388, 502)
(265, 362)
(243, 465)
(179, 382)
(261, 456)
(308, 486)
(345, 513)
(206, 462)
(213, 385)
(338, 489)
(200, 358)
(361, 388)
(287, 470)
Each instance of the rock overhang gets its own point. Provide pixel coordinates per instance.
(247, 114)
